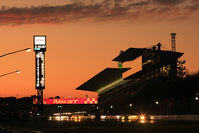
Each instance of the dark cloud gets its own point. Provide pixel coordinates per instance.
(159, 10)
(168, 2)
(192, 8)
(195, 1)
(94, 11)
(141, 3)
(48, 14)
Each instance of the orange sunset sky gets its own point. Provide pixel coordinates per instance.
(84, 36)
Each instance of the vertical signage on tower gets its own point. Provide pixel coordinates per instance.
(40, 70)
(40, 48)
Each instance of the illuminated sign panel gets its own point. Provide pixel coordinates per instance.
(39, 43)
(40, 70)
(69, 101)
(40, 40)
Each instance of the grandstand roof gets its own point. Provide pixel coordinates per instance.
(104, 78)
(133, 53)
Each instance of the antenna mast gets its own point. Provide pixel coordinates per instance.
(173, 42)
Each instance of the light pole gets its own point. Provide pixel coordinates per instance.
(26, 49)
(18, 71)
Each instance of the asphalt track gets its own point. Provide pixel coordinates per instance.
(102, 126)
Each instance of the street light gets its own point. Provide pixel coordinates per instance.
(18, 71)
(196, 98)
(26, 49)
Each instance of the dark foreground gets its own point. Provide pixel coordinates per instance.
(103, 126)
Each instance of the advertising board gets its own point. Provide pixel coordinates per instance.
(39, 42)
(69, 101)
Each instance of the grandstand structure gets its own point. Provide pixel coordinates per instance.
(126, 87)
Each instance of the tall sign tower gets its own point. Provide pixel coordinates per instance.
(173, 41)
(39, 42)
